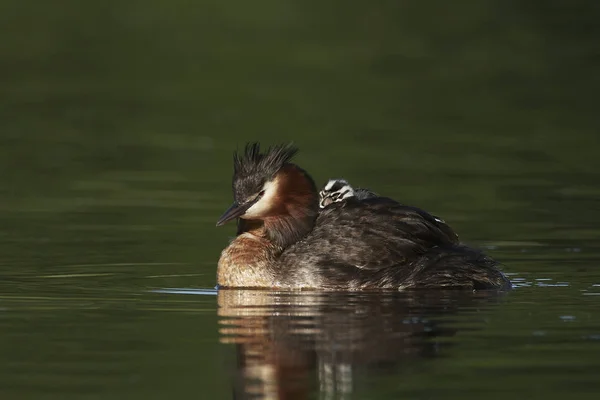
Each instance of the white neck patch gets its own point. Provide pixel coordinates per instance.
(266, 202)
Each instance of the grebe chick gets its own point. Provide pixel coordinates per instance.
(285, 242)
(338, 190)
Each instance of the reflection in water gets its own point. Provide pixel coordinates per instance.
(291, 344)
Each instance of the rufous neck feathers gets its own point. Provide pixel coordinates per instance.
(295, 207)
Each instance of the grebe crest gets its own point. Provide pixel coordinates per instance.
(338, 190)
(270, 191)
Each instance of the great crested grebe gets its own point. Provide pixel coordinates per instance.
(284, 241)
(337, 190)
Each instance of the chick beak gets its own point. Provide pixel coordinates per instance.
(235, 211)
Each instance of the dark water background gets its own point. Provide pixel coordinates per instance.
(117, 123)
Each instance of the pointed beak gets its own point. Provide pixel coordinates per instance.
(233, 212)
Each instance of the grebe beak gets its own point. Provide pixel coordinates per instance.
(235, 211)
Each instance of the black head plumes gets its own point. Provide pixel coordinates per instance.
(251, 169)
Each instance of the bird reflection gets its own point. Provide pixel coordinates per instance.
(291, 345)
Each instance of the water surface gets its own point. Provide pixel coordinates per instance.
(117, 123)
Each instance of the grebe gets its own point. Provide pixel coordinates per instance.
(337, 190)
(284, 241)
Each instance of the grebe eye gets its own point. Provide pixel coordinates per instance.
(261, 193)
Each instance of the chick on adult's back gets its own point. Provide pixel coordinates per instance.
(373, 243)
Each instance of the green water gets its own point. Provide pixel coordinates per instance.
(117, 123)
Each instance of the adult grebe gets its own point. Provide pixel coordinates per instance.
(357, 244)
